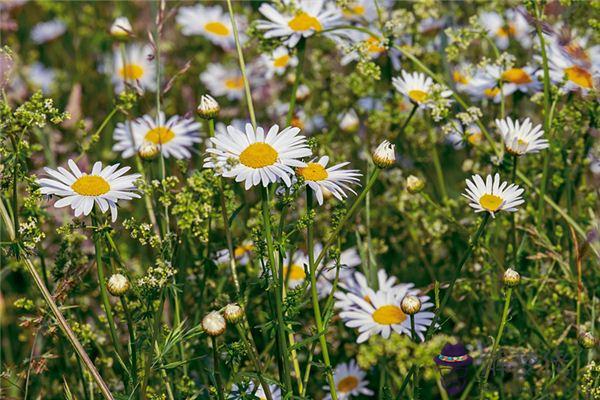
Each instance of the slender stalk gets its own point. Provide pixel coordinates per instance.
(438, 167)
(266, 214)
(253, 354)
(409, 374)
(315, 296)
(513, 216)
(399, 136)
(488, 364)
(238, 47)
(132, 341)
(298, 71)
(60, 319)
(220, 387)
(472, 244)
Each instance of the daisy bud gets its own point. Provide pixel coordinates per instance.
(410, 305)
(587, 340)
(511, 278)
(385, 154)
(414, 184)
(148, 151)
(117, 285)
(349, 122)
(121, 28)
(233, 313)
(208, 107)
(214, 324)
(302, 92)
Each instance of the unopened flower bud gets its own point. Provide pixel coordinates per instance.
(385, 154)
(121, 28)
(118, 285)
(148, 151)
(214, 324)
(349, 122)
(410, 305)
(587, 340)
(233, 313)
(414, 184)
(302, 92)
(208, 107)
(511, 278)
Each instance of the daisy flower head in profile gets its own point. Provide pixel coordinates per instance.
(349, 381)
(121, 28)
(521, 137)
(572, 74)
(335, 179)
(210, 22)
(174, 137)
(523, 79)
(255, 157)
(47, 31)
(493, 195)
(223, 81)
(103, 187)
(515, 27)
(237, 392)
(136, 69)
(417, 87)
(277, 62)
(299, 19)
(382, 314)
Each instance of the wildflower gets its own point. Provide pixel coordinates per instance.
(257, 392)
(384, 155)
(516, 27)
(293, 269)
(80, 190)
(358, 285)
(118, 285)
(241, 254)
(278, 61)
(511, 278)
(410, 305)
(358, 10)
(148, 151)
(302, 92)
(514, 79)
(457, 134)
(587, 340)
(222, 81)
(258, 157)
(364, 45)
(521, 138)
(213, 323)
(135, 70)
(208, 108)
(174, 136)
(349, 381)
(210, 22)
(121, 28)
(493, 196)
(349, 121)
(334, 179)
(418, 88)
(414, 184)
(382, 315)
(47, 31)
(308, 18)
(348, 260)
(575, 75)
(233, 313)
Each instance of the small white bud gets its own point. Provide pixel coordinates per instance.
(414, 184)
(208, 107)
(148, 151)
(587, 340)
(385, 154)
(302, 92)
(511, 278)
(214, 324)
(410, 305)
(117, 285)
(233, 313)
(349, 122)
(121, 28)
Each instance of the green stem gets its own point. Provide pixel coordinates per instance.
(496, 342)
(438, 167)
(298, 71)
(513, 216)
(253, 354)
(220, 387)
(472, 244)
(132, 341)
(409, 374)
(315, 296)
(405, 124)
(266, 214)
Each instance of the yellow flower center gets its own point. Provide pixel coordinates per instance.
(516, 75)
(296, 272)
(459, 78)
(579, 76)
(374, 45)
(131, 72)
(258, 155)
(475, 138)
(91, 185)
(303, 22)
(282, 61)
(217, 28)
(522, 142)
(504, 32)
(354, 10)
(347, 384)
(490, 202)
(418, 96)
(159, 135)
(389, 315)
(491, 92)
(241, 250)
(234, 83)
(313, 172)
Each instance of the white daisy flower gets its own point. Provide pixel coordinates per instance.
(459, 134)
(47, 31)
(137, 70)
(335, 179)
(121, 28)
(241, 254)
(236, 392)
(359, 286)
(258, 158)
(417, 87)
(501, 31)
(374, 46)
(522, 79)
(349, 381)
(307, 18)
(294, 272)
(221, 81)
(278, 61)
(521, 138)
(492, 196)
(103, 187)
(462, 75)
(41, 77)
(382, 314)
(575, 75)
(175, 136)
(362, 10)
(210, 22)
(349, 260)
(577, 48)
